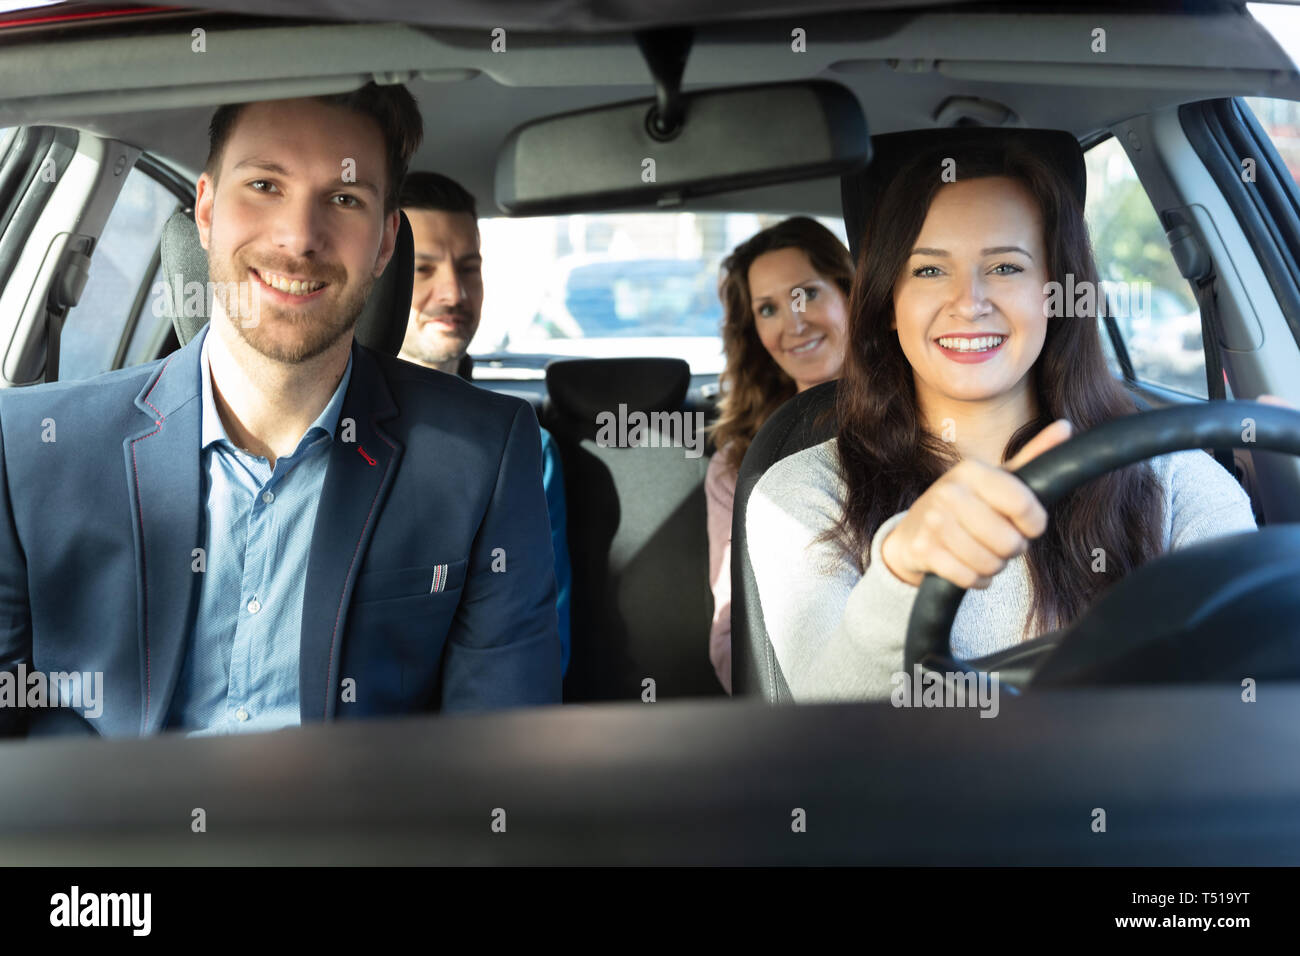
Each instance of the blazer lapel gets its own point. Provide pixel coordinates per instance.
(162, 466)
(357, 480)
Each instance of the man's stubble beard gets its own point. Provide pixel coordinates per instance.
(448, 351)
(317, 334)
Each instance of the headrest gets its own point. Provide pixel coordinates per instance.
(806, 420)
(580, 389)
(381, 325)
(861, 190)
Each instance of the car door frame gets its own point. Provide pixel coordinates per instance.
(1180, 159)
(55, 230)
(173, 181)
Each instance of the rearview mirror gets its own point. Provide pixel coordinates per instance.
(739, 138)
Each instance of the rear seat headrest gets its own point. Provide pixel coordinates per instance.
(891, 151)
(381, 325)
(580, 389)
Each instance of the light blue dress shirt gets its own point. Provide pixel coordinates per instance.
(241, 664)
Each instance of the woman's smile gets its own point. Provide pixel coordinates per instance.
(806, 347)
(968, 349)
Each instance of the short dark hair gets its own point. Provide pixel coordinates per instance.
(438, 193)
(392, 107)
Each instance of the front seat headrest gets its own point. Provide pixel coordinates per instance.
(582, 389)
(892, 151)
(381, 325)
(803, 422)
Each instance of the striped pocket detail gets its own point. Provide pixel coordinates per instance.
(439, 578)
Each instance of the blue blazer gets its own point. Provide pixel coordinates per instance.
(443, 484)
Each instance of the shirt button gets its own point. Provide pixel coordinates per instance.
(254, 606)
(241, 714)
(268, 497)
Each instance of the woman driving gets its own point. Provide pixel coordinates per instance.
(961, 366)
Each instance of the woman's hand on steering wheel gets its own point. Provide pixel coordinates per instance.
(972, 520)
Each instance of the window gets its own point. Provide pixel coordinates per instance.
(151, 326)
(121, 263)
(611, 284)
(1153, 304)
(1281, 121)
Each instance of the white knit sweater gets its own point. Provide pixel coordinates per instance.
(838, 633)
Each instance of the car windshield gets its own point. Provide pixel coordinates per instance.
(607, 285)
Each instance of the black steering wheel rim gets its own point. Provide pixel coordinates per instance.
(1108, 447)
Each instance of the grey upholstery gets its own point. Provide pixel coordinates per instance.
(638, 540)
(381, 325)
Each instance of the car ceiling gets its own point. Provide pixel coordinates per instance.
(615, 15)
(901, 64)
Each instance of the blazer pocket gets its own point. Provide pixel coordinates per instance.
(425, 580)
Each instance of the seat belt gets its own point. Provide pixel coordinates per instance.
(1198, 268)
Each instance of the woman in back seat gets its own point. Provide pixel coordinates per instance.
(785, 292)
(963, 364)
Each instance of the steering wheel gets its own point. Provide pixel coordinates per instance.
(1222, 609)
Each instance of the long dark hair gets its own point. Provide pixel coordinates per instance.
(753, 385)
(888, 458)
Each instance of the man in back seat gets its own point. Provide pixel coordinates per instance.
(446, 306)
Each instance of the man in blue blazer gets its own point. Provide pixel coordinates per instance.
(275, 525)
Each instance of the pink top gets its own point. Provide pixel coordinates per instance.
(720, 493)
